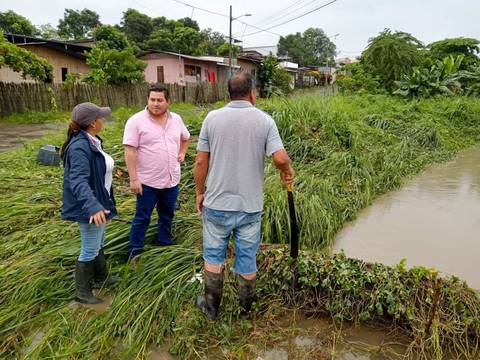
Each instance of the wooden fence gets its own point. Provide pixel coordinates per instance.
(18, 98)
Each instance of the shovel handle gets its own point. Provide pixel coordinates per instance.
(290, 187)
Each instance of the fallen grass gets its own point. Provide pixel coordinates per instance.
(346, 151)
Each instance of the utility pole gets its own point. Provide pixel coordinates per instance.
(230, 40)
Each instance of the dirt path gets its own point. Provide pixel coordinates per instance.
(13, 136)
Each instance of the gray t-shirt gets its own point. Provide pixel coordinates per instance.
(237, 136)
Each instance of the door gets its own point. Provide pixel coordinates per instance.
(64, 73)
(160, 75)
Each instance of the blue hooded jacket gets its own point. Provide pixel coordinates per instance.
(84, 192)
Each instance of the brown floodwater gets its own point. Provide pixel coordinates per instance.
(321, 339)
(292, 336)
(434, 221)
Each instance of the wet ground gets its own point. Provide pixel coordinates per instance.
(14, 135)
(295, 337)
(434, 220)
(315, 338)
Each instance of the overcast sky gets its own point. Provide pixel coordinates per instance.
(354, 20)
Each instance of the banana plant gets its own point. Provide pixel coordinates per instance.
(471, 79)
(440, 77)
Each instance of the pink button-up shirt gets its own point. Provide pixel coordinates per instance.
(157, 148)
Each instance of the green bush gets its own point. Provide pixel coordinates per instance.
(353, 78)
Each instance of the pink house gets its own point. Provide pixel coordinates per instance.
(170, 68)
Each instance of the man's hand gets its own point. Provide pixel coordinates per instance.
(136, 186)
(287, 176)
(199, 203)
(181, 157)
(99, 217)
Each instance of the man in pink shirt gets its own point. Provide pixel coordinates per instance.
(156, 141)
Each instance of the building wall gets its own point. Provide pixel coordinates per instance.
(248, 66)
(57, 58)
(206, 68)
(222, 74)
(174, 68)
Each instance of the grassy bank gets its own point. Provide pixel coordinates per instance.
(346, 151)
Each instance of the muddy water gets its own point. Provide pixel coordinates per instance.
(292, 336)
(434, 220)
(320, 339)
(14, 135)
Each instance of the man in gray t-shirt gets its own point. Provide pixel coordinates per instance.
(229, 172)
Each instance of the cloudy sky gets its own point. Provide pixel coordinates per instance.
(352, 21)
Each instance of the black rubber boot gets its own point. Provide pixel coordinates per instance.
(101, 277)
(210, 303)
(246, 295)
(83, 282)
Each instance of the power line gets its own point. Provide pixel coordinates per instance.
(277, 18)
(201, 9)
(295, 18)
(274, 19)
(275, 14)
(260, 29)
(223, 15)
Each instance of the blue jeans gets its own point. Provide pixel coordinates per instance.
(92, 239)
(164, 200)
(217, 228)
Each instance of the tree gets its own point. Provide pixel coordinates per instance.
(352, 78)
(272, 79)
(112, 66)
(113, 60)
(47, 31)
(223, 50)
(136, 26)
(266, 73)
(110, 37)
(313, 47)
(161, 39)
(13, 23)
(78, 24)
(188, 22)
(467, 47)
(391, 55)
(174, 36)
(213, 40)
(24, 61)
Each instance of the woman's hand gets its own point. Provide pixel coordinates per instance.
(99, 217)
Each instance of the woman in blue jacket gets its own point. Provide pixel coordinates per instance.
(88, 196)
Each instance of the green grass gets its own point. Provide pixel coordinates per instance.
(346, 151)
(36, 118)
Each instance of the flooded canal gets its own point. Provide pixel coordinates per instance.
(434, 220)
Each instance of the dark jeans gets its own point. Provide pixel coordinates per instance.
(164, 200)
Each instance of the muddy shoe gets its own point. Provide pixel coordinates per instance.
(210, 302)
(246, 296)
(84, 273)
(102, 278)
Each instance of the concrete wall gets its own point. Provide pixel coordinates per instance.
(57, 58)
(248, 66)
(174, 68)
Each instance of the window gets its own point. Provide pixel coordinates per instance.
(64, 74)
(192, 70)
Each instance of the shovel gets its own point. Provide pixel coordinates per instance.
(293, 223)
